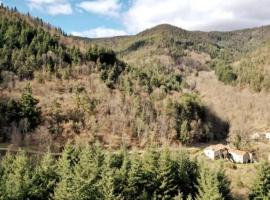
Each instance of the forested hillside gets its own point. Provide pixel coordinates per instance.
(52, 93)
(239, 60)
(193, 51)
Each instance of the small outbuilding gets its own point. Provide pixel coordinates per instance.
(267, 135)
(240, 156)
(256, 136)
(214, 151)
(260, 136)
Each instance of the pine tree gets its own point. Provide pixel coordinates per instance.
(5, 170)
(65, 188)
(223, 184)
(187, 172)
(261, 187)
(108, 180)
(208, 186)
(29, 108)
(87, 174)
(17, 180)
(178, 197)
(136, 179)
(45, 179)
(166, 176)
(121, 174)
(150, 166)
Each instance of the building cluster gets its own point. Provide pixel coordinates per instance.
(221, 151)
(260, 136)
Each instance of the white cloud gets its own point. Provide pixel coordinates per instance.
(52, 7)
(99, 33)
(197, 14)
(103, 7)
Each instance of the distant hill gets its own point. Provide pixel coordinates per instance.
(189, 50)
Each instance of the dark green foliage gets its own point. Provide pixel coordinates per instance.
(190, 119)
(136, 45)
(188, 172)
(105, 56)
(166, 176)
(88, 172)
(23, 113)
(111, 73)
(224, 72)
(25, 48)
(252, 73)
(108, 65)
(29, 108)
(213, 185)
(44, 179)
(136, 180)
(150, 78)
(261, 186)
(223, 185)
(16, 175)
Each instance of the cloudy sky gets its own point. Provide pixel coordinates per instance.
(104, 18)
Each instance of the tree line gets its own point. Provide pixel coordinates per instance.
(90, 172)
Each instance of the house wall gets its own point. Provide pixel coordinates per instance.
(240, 158)
(212, 153)
(246, 158)
(255, 136)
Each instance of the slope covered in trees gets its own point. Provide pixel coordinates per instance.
(25, 48)
(90, 93)
(195, 51)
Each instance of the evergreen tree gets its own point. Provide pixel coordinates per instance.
(29, 108)
(17, 176)
(5, 170)
(136, 179)
(121, 174)
(187, 172)
(65, 188)
(166, 176)
(87, 174)
(45, 179)
(208, 186)
(150, 166)
(178, 197)
(107, 182)
(223, 184)
(261, 187)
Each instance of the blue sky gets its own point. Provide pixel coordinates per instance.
(104, 18)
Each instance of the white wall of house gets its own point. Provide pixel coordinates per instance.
(267, 135)
(255, 136)
(211, 153)
(239, 158)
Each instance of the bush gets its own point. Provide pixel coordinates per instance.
(224, 72)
